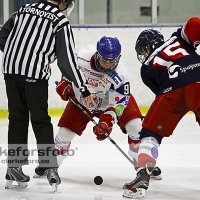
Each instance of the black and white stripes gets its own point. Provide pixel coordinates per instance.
(41, 34)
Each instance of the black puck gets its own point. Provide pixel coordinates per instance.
(98, 180)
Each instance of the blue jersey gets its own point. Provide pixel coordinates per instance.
(171, 65)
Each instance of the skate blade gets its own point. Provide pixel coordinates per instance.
(55, 187)
(20, 185)
(8, 184)
(38, 176)
(140, 193)
(159, 177)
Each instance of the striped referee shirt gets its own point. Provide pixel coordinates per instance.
(34, 37)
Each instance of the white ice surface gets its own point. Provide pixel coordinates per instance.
(179, 159)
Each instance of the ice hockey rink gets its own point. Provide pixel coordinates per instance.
(179, 160)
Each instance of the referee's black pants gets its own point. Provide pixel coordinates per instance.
(29, 100)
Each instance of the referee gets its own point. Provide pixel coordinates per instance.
(31, 39)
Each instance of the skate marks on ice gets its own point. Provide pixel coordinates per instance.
(79, 185)
(179, 161)
(76, 188)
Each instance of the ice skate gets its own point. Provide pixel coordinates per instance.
(136, 188)
(53, 178)
(40, 172)
(16, 174)
(156, 173)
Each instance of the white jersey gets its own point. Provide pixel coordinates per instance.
(111, 91)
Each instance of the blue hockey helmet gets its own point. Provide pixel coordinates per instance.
(146, 42)
(109, 50)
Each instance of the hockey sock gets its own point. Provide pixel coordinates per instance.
(148, 153)
(133, 147)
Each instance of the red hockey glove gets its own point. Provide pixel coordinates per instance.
(64, 89)
(104, 126)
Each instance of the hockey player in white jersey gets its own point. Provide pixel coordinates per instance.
(108, 81)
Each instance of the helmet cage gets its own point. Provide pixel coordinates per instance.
(67, 3)
(100, 68)
(108, 50)
(146, 43)
(143, 52)
(69, 6)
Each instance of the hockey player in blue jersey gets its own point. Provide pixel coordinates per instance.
(171, 69)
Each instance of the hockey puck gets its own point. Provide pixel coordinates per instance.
(98, 180)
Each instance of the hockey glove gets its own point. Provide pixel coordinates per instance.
(64, 89)
(104, 126)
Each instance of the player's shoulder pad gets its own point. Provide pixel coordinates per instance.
(121, 69)
(85, 54)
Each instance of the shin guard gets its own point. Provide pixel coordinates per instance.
(133, 149)
(148, 153)
(62, 143)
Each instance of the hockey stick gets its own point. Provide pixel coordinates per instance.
(82, 108)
